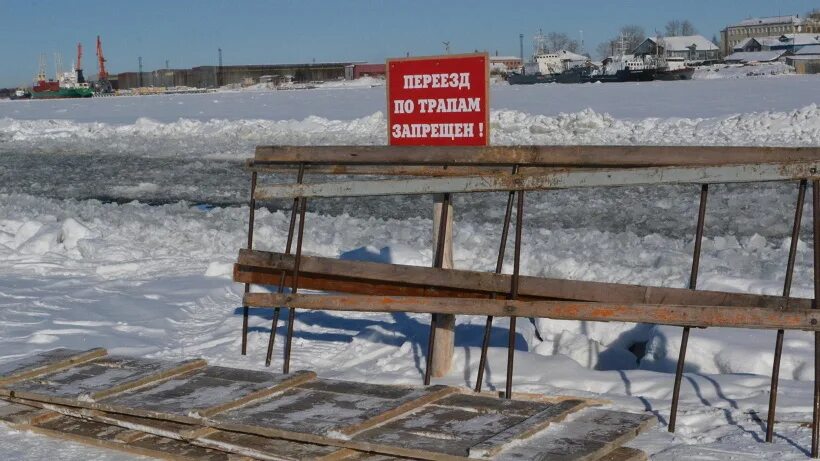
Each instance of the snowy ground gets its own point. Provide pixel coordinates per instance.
(83, 266)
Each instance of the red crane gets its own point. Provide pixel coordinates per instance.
(103, 75)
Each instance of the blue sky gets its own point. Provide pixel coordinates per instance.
(187, 32)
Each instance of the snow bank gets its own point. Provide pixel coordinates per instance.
(237, 138)
(742, 71)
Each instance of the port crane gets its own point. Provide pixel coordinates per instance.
(79, 67)
(103, 84)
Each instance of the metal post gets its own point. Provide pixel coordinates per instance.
(281, 287)
(815, 427)
(499, 264)
(252, 213)
(693, 282)
(787, 285)
(438, 260)
(295, 282)
(519, 220)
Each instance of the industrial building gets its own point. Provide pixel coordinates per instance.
(216, 76)
(776, 26)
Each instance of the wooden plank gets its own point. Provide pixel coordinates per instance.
(579, 156)
(525, 429)
(128, 429)
(203, 392)
(267, 448)
(45, 362)
(98, 379)
(103, 435)
(332, 408)
(494, 404)
(363, 277)
(589, 436)
(383, 170)
(624, 454)
(106, 436)
(405, 407)
(439, 430)
(445, 324)
(661, 314)
(15, 413)
(497, 182)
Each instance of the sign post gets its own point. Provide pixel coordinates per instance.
(439, 101)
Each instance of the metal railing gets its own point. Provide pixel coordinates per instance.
(379, 287)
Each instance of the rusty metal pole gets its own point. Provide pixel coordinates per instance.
(787, 286)
(281, 287)
(438, 261)
(295, 282)
(519, 220)
(693, 282)
(815, 427)
(499, 264)
(245, 309)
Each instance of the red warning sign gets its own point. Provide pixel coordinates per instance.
(438, 100)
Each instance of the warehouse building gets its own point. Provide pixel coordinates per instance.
(216, 76)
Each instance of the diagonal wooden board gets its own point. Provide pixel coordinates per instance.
(455, 424)
(97, 379)
(106, 436)
(189, 397)
(329, 407)
(98, 431)
(45, 362)
(191, 401)
(585, 438)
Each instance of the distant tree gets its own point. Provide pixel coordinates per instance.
(605, 49)
(687, 28)
(560, 41)
(673, 28)
(676, 28)
(632, 37)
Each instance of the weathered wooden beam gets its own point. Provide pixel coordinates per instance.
(363, 277)
(383, 170)
(661, 314)
(554, 180)
(45, 363)
(587, 156)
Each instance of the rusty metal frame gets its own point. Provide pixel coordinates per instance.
(484, 169)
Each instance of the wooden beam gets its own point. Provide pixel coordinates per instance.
(384, 170)
(45, 363)
(362, 277)
(662, 314)
(561, 179)
(576, 156)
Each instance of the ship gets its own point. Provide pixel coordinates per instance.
(69, 84)
(548, 66)
(20, 93)
(674, 68)
(624, 68)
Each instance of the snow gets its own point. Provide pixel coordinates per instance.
(770, 20)
(84, 264)
(683, 42)
(763, 70)
(755, 56)
(808, 50)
